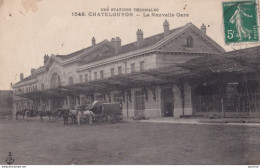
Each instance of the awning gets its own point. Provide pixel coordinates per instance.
(215, 68)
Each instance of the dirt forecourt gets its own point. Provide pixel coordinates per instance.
(50, 143)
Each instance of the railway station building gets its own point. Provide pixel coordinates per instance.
(180, 72)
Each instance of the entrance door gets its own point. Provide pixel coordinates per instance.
(167, 102)
(139, 103)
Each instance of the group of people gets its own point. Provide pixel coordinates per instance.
(82, 113)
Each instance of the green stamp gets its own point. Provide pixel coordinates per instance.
(240, 21)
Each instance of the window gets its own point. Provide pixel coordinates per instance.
(141, 65)
(189, 42)
(112, 70)
(86, 77)
(101, 74)
(119, 70)
(139, 100)
(80, 78)
(133, 67)
(55, 81)
(95, 75)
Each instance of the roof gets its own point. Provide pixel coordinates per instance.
(245, 60)
(26, 79)
(64, 57)
(146, 43)
(87, 55)
(248, 56)
(128, 48)
(149, 41)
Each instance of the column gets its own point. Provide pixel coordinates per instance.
(187, 99)
(177, 101)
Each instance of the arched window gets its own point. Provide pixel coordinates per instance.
(55, 81)
(189, 42)
(70, 82)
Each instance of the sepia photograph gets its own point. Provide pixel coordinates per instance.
(129, 82)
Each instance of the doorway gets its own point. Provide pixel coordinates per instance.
(167, 102)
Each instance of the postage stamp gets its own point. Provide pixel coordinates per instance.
(240, 21)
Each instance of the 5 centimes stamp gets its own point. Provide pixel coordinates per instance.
(240, 21)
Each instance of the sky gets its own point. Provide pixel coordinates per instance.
(29, 29)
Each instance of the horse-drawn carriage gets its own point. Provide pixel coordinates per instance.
(106, 111)
(98, 112)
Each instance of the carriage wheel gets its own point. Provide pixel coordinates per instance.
(103, 119)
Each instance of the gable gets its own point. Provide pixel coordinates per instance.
(51, 63)
(190, 41)
(100, 53)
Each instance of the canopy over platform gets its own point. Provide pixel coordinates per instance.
(224, 67)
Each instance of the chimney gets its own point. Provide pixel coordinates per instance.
(21, 76)
(46, 57)
(166, 28)
(93, 41)
(140, 37)
(32, 71)
(203, 28)
(117, 43)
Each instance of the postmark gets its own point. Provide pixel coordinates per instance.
(240, 21)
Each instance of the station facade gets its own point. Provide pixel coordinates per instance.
(152, 76)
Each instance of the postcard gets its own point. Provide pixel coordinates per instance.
(133, 82)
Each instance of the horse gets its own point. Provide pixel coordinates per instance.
(31, 113)
(65, 113)
(62, 112)
(49, 114)
(74, 115)
(21, 112)
(78, 115)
